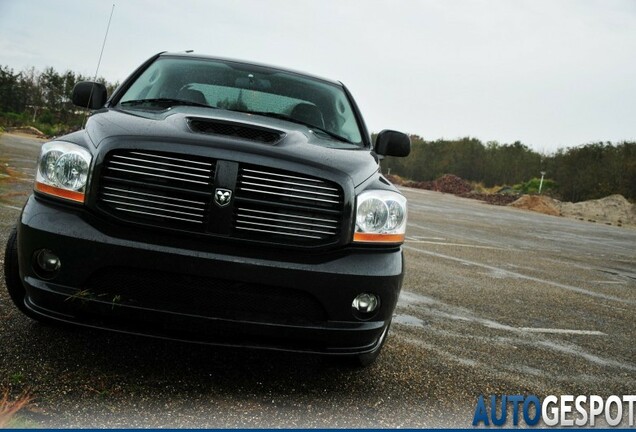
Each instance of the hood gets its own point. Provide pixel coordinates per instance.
(298, 145)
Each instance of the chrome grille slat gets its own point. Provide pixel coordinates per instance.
(153, 195)
(290, 189)
(286, 228)
(286, 221)
(154, 214)
(277, 232)
(288, 215)
(158, 175)
(207, 170)
(282, 175)
(260, 191)
(112, 195)
(152, 208)
(126, 164)
(288, 182)
(208, 164)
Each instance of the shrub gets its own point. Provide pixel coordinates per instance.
(531, 187)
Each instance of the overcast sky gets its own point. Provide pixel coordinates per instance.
(549, 73)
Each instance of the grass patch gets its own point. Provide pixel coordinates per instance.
(16, 378)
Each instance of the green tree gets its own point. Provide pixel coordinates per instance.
(41, 99)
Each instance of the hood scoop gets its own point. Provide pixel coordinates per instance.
(236, 130)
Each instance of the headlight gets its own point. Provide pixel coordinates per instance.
(380, 217)
(63, 170)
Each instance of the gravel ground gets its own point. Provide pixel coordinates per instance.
(495, 301)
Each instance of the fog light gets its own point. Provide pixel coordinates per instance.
(365, 303)
(47, 261)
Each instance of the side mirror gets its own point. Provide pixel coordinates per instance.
(88, 94)
(393, 143)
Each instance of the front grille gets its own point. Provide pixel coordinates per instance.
(208, 297)
(251, 133)
(157, 188)
(176, 191)
(278, 205)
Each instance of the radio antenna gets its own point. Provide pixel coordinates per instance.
(104, 43)
(99, 62)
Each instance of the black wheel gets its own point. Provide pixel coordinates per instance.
(367, 359)
(12, 276)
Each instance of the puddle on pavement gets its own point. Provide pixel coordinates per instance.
(410, 298)
(409, 320)
(7, 173)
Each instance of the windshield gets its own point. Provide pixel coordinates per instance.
(246, 88)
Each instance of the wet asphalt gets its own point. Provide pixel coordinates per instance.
(495, 301)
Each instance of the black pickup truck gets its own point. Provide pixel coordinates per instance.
(216, 201)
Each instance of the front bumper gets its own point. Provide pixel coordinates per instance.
(196, 291)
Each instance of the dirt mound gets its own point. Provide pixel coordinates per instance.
(449, 183)
(494, 199)
(538, 203)
(614, 209)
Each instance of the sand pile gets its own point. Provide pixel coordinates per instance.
(538, 203)
(614, 209)
(611, 210)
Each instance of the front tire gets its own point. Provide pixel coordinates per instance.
(16, 290)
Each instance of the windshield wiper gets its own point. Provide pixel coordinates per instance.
(164, 102)
(295, 120)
